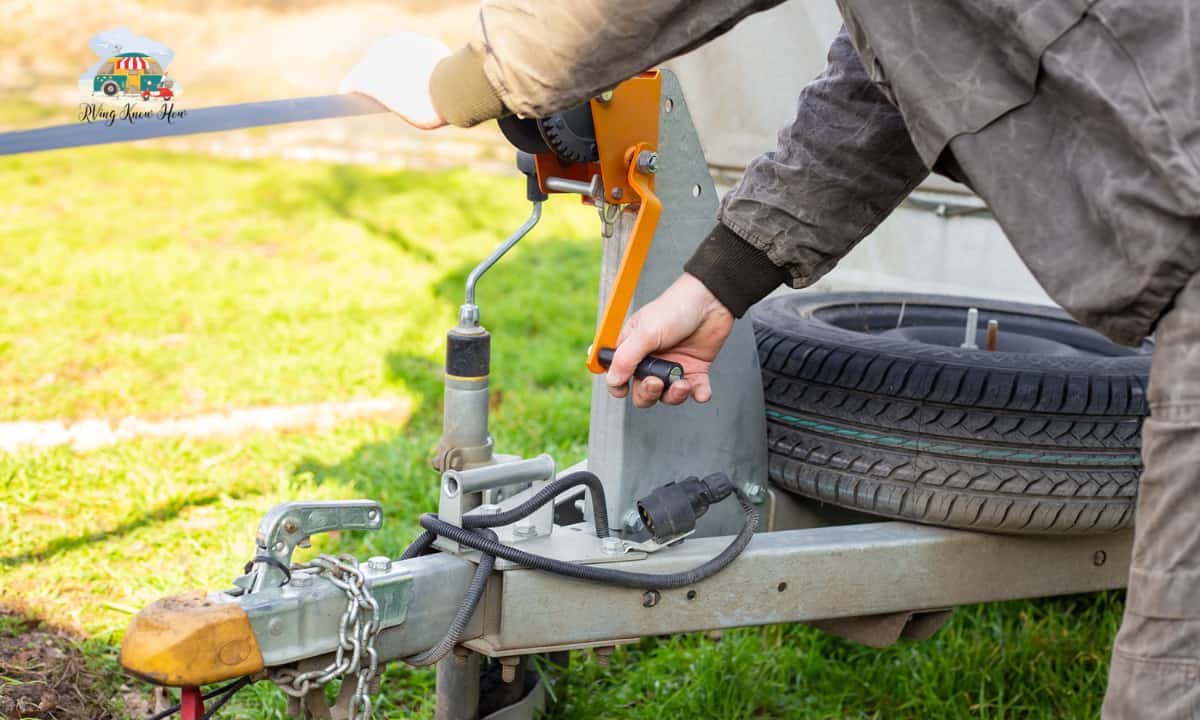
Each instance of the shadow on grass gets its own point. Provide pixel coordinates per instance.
(406, 208)
(164, 513)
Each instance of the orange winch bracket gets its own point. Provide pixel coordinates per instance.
(626, 124)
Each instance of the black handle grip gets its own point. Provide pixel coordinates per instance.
(650, 366)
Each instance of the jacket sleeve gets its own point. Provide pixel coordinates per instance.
(536, 57)
(840, 168)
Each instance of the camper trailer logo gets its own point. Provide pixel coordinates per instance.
(131, 72)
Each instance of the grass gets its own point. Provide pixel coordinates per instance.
(137, 282)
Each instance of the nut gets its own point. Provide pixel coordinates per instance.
(612, 546)
(508, 668)
(379, 563)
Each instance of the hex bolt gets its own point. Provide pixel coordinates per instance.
(508, 668)
(632, 521)
(647, 162)
(756, 493)
(379, 563)
(602, 654)
(525, 529)
(612, 546)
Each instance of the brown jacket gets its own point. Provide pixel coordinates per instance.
(1073, 119)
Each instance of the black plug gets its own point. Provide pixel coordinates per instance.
(527, 164)
(673, 509)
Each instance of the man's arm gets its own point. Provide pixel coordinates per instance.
(536, 57)
(841, 166)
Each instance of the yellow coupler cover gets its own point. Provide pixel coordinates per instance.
(190, 640)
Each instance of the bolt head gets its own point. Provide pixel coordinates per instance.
(275, 627)
(525, 529)
(612, 546)
(618, 193)
(290, 526)
(489, 509)
(647, 161)
(756, 493)
(379, 563)
(632, 521)
(606, 96)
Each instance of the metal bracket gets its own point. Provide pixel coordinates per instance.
(289, 525)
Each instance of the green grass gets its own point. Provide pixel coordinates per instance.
(137, 282)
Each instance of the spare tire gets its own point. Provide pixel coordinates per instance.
(872, 404)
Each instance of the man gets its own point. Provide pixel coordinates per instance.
(1074, 119)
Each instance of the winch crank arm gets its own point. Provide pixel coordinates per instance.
(630, 270)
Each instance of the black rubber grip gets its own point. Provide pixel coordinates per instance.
(650, 366)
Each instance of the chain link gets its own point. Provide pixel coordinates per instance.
(356, 637)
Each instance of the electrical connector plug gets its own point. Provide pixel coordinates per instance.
(672, 510)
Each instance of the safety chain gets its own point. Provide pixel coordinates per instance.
(356, 637)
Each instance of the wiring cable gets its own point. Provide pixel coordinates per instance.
(593, 573)
(461, 618)
(545, 495)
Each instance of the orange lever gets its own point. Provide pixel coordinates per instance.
(638, 246)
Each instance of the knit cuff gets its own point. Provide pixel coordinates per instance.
(461, 92)
(738, 273)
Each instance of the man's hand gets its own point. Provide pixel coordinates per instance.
(686, 324)
(396, 71)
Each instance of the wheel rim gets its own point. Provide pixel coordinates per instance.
(943, 324)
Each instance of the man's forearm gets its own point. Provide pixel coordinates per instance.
(534, 57)
(841, 166)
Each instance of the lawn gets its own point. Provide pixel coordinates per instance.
(135, 282)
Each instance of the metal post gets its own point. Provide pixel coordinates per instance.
(458, 687)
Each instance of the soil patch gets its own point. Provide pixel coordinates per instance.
(44, 673)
